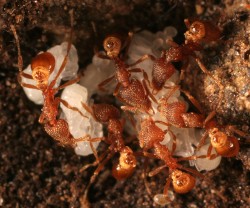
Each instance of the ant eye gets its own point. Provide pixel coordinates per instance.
(42, 66)
(112, 46)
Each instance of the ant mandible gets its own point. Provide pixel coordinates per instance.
(130, 91)
(42, 66)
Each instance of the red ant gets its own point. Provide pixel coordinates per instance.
(109, 114)
(175, 114)
(150, 137)
(42, 66)
(198, 32)
(130, 91)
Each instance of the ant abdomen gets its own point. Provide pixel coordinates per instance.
(126, 165)
(59, 131)
(104, 112)
(182, 182)
(162, 71)
(173, 113)
(150, 134)
(193, 120)
(42, 66)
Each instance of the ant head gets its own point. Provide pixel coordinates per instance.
(126, 165)
(182, 182)
(42, 66)
(112, 46)
(218, 138)
(196, 32)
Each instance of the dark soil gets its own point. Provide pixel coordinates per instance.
(36, 172)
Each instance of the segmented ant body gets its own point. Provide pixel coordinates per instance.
(110, 115)
(198, 32)
(124, 168)
(175, 113)
(42, 66)
(150, 137)
(128, 90)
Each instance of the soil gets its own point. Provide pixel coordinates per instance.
(36, 172)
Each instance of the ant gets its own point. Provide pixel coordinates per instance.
(198, 32)
(130, 91)
(175, 114)
(150, 137)
(220, 138)
(42, 66)
(110, 115)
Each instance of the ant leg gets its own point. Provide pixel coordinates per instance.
(143, 58)
(210, 116)
(202, 141)
(163, 123)
(100, 55)
(127, 44)
(89, 110)
(204, 69)
(66, 104)
(96, 172)
(193, 100)
(187, 23)
(233, 129)
(20, 58)
(116, 91)
(145, 174)
(194, 172)
(29, 86)
(183, 69)
(172, 91)
(156, 171)
(130, 108)
(103, 83)
(172, 43)
(209, 153)
(70, 82)
(53, 82)
(96, 162)
(145, 75)
(174, 142)
(166, 187)
(148, 92)
(131, 119)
